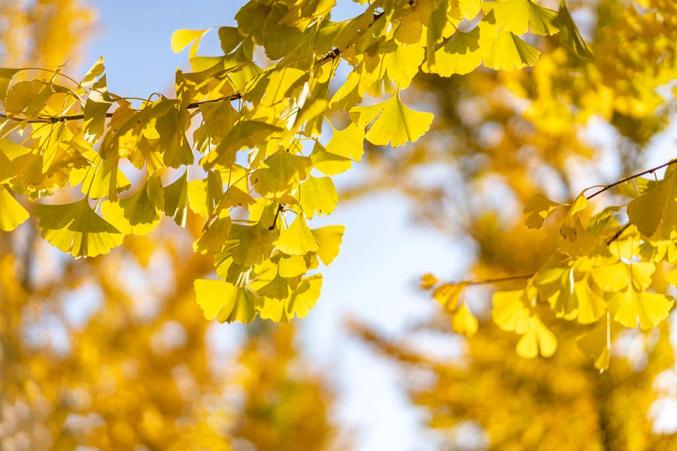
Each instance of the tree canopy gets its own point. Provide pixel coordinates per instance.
(243, 154)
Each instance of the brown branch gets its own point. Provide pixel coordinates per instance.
(630, 177)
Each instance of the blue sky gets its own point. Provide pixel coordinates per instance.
(374, 277)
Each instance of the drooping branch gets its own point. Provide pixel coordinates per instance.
(329, 56)
(613, 238)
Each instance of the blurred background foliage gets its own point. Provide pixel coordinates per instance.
(133, 365)
(501, 138)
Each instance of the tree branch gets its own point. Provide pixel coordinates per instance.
(630, 177)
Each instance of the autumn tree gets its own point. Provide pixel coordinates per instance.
(527, 135)
(113, 352)
(242, 156)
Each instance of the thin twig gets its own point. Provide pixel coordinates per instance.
(630, 177)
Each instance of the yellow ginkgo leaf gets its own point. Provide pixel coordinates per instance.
(282, 170)
(631, 308)
(403, 63)
(243, 134)
(183, 38)
(140, 213)
(596, 344)
(292, 266)
(656, 207)
(569, 33)
(521, 16)
(102, 179)
(509, 312)
(329, 242)
(459, 55)
(348, 143)
(225, 302)
(538, 208)
(214, 238)
(328, 163)
(299, 303)
(12, 213)
(76, 229)
(464, 322)
(297, 239)
(537, 339)
(318, 196)
(176, 200)
(391, 122)
(448, 295)
(570, 294)
(504, 50)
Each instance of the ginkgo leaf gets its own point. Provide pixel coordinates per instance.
(327, 163)
(139, 213)
(596, 344)
(631, 308)
(27, 97)
(569, 33)
(329, 242)
(76, 229)
(102, 179)
(537, 339)
(12, 213)
(402, 64)
(214, 238)
(448, 295)
(504, 50)
(464, 322)
(292, 266)
(618, 276)
(6, 75)
(538, 208)
(282, 170)
(391, 122)
(348, 143)
(299, 303)
(318, 196)
(656, 207)
(570, 293)
(183, 38)
(459, 55)
(176, 199)
(511, 314)
(225, 302)
(242, 134)
(521, 16)
(297, 239)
